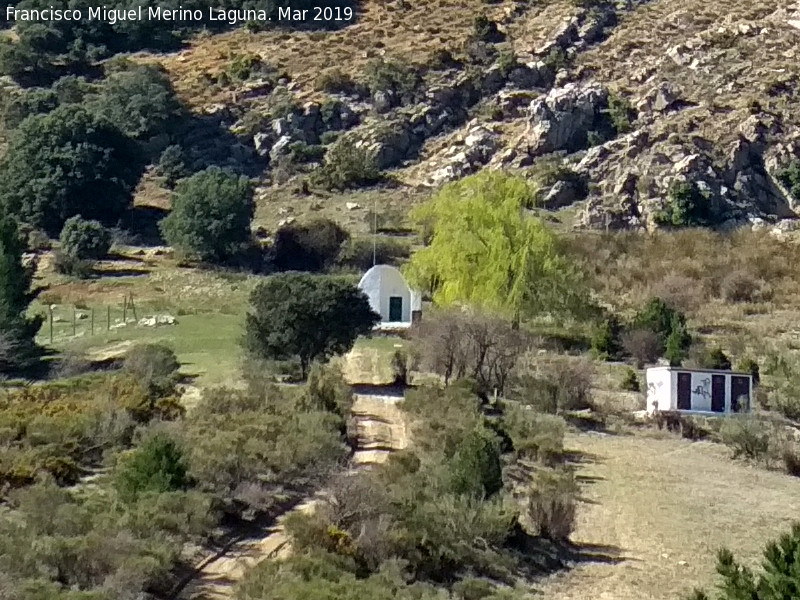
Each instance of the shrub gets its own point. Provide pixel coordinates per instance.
(485, 30)
(606, 340)
(561, 385)
(155, 366)
(630, 381)
(211, 215)
(348, 165)
(157, 465)
(335, 81)
(790, 177)
(621, 113)
(786, 400)
(171, 165)
(687, 206)
(747, 436)
(741, 286)
(716, 359)
(551, 507)
(748, 365)
(791, 459)
(362, 253)
(85, 240)
(643, 345)
(327, 390)
(779, 580)
(312, 246)
(67, 264)
(393, 76)
(534, 436)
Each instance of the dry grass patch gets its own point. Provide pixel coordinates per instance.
(660, 509)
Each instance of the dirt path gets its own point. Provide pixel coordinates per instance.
(379, 429)
(656, 510)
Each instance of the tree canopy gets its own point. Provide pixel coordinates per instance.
(17, 345)
(296, 315)
(484, 250)
(139, 100)
(64, 163)
(211, 214)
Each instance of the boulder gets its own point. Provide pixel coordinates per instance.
(562, 119)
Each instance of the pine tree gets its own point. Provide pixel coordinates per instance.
(18, 349)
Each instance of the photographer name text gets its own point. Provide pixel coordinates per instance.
(156, 13)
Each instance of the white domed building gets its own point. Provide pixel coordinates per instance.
(391, 297)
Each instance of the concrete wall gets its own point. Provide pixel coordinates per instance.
(662, 388)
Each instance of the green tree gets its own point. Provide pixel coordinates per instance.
(607, 339)
(17, 346)
(64, 163)
(485, 250)
(155, 466)
(211, 215)
(84, 239)
(779, 579)
(307, 317)
(311, 246)
(687, 206)
(140, 100)
(475, 467)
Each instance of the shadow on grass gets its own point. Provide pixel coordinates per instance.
(393, 390)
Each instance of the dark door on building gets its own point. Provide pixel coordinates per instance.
(740, 393)
(718, 393)
(684, 391)
(395, 308)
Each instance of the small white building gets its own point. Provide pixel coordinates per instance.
(698, 391)
(391, 297)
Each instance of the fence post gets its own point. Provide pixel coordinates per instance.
(133, 308)
(50, 309)
(125, 310)
(108, 318)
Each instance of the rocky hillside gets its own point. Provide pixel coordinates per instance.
(626, 114)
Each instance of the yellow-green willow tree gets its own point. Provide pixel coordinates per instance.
(484, 250)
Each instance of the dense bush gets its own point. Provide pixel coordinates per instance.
(606, 340)
(715, 358)
(552, 505)
(362, 253)
(741, 285)
(211, 215)
(790, 177)
(687, 206)
(252, 448)
(307, 317)
(621, 113)
(18, 349)
(668, 324)
(311, 246)
(643, 345)
(534, 436)
(154, 366)
(61, 429)
(172, 166)
(63, 546)
(630, 381)
(779, 579)
(335, 81)
(84, 239)
(348, 165)
(747, 436)
(555, 387)
(393, 76)
(156, 465)
(65, 163)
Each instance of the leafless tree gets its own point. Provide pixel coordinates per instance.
(456, 344)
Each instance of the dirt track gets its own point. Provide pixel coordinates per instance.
(380, 429)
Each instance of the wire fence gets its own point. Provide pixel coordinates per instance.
(64, 321)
